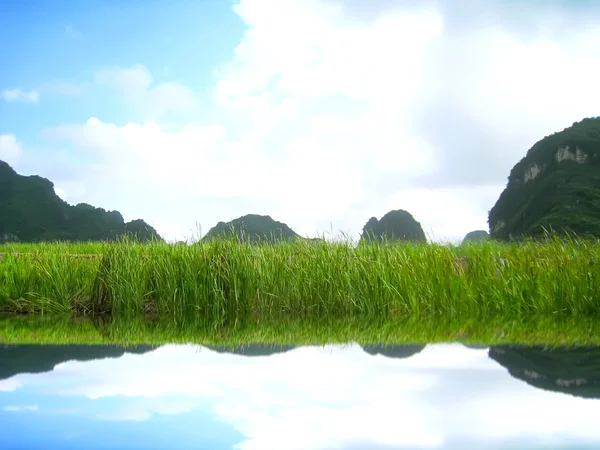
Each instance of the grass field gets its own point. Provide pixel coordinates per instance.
(228, 282)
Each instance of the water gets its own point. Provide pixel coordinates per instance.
(334, 397)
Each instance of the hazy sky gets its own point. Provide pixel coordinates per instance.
(447, 397)
(320, 113)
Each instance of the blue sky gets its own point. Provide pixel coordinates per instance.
(320, 113)
(444, 397)
(50, 54)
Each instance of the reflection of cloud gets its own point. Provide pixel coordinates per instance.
(18, 408)
(9, 385)
(335, 397)
(139, 411)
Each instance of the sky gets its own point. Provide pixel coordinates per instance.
(319, 113)
(447, 397)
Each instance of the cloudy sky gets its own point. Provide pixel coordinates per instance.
(335, 397)
(320, 113)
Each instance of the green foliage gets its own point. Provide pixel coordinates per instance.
(253, 228)
(398, 225)
(141, 231)
(564, 197)
(30, 211)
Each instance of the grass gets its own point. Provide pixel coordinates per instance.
(66, 329)
(228, 282)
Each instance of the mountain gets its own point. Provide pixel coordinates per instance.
(252, 349)
(393, 351)
(476, 236)
(398, 225)
(253, 227)
(32, 358)
(555, 186)
(571, 370)
(30, 211)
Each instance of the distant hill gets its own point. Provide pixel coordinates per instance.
(253, 350)
(393, 351)
(398, 225)
(30, 211)
(571, 370)
(476, 236)
(32, 358)
(253, 227)
(555, 186)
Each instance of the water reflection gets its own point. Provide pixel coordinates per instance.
(281, 397)
(15, 359)
(574, 371)
(393, 351)
(253, 349)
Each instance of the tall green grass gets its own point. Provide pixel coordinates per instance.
(229, 281)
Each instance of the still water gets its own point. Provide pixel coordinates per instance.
(334, 397)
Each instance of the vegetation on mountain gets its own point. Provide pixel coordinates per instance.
(30, 211)
(252, 228)
(398, 225)
(476, 236)
(555, 187)
(571, 370)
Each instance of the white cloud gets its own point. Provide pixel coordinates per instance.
(135, 85)
(326, 117)
(332, 396)
(18, 95)
(10, 149)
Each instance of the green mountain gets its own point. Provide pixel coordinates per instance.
(571, 370)
(476, 236)
(398, 225)
(30, 211)
(33, 358)
(393, 351)
(556, 186)
(254, 228)
(253, 350)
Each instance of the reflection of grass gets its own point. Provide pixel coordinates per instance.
(229, 281)
(296, 331)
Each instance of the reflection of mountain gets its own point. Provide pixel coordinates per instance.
(16, 359)
(476, 346)
(252, 349)
(572, 370)
(393, 351)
